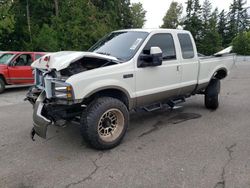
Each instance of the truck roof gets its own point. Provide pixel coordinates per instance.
(148, 30)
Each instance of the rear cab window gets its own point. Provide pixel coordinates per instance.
(187, 47)
(165, 42)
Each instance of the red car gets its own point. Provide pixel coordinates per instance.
(15, 68)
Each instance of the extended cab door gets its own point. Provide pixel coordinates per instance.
(154, 84)
(189, 62)
(20, 71)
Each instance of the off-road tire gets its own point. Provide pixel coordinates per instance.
(93, 116)
(2, 85)
(212, 94)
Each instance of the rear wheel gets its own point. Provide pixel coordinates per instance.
(104, 123)
(212, 94)
(2, 85)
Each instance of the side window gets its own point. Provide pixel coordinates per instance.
(37, 56)
(186, 46)
(165, 42)
(23, 60)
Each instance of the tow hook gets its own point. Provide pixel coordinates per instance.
(32, 134)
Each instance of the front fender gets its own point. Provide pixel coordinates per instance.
(83, 92)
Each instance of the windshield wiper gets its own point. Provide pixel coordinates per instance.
(108, 54)
(104, 53)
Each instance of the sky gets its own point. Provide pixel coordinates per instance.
(156, 9)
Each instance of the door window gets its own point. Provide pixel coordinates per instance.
(23, 60)
(165, 42)
(186, 46)
(6, 58)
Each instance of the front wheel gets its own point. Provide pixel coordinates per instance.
(2, 85)
(104, 123)
(212, 94)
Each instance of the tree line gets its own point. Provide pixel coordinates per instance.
(53, 25)
(212, 30)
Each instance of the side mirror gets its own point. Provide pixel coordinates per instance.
(153, 59)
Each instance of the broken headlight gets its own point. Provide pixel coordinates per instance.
(63, 91)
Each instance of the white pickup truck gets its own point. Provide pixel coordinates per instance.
(126, 70)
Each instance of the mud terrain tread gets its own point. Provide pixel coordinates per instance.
(90, 118)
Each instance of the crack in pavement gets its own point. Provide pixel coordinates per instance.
(222, 183)
(230, 150)
(155, 127)
(89, 177)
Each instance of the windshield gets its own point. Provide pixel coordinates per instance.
(5, 58)
(122, 45)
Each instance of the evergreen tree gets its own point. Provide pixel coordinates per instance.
(46, 40)
(205, 31)
(238, 21)
(187, 20)
(214, 40)
(47, 25)
(7, 23)
(222, 26)
(172, 18)
(193, 21)
(206, 13)
(241, 43)
(196, 19)
(189, 8)
(125, 15)
(138, 15)
(242, 17)
(210, 41)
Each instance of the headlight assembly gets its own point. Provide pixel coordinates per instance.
(63, 92)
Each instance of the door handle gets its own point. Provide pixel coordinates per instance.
(178, 68)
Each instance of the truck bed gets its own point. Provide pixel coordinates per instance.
(210, 64)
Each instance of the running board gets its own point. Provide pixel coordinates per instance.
(157, 106)
(173, 103)
(153, 107)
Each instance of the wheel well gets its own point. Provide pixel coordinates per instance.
(220, 74)
(115, 93)
(2, 77)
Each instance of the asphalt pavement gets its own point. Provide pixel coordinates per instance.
(190, 147)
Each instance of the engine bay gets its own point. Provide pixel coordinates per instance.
(85, 64)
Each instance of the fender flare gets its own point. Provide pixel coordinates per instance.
(131, 101)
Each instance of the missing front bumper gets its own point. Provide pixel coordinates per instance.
(40, 122)
(46, 113)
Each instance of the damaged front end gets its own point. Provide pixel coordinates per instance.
(40, 122)
(53, 101)
(47, 112)
(52, 97)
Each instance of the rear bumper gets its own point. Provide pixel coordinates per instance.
(40, 122)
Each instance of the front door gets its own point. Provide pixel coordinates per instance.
(20, 71)
(154, 84)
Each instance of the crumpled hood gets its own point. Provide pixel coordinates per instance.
(61, 60)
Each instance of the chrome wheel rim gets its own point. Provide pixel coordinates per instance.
(110, 125)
